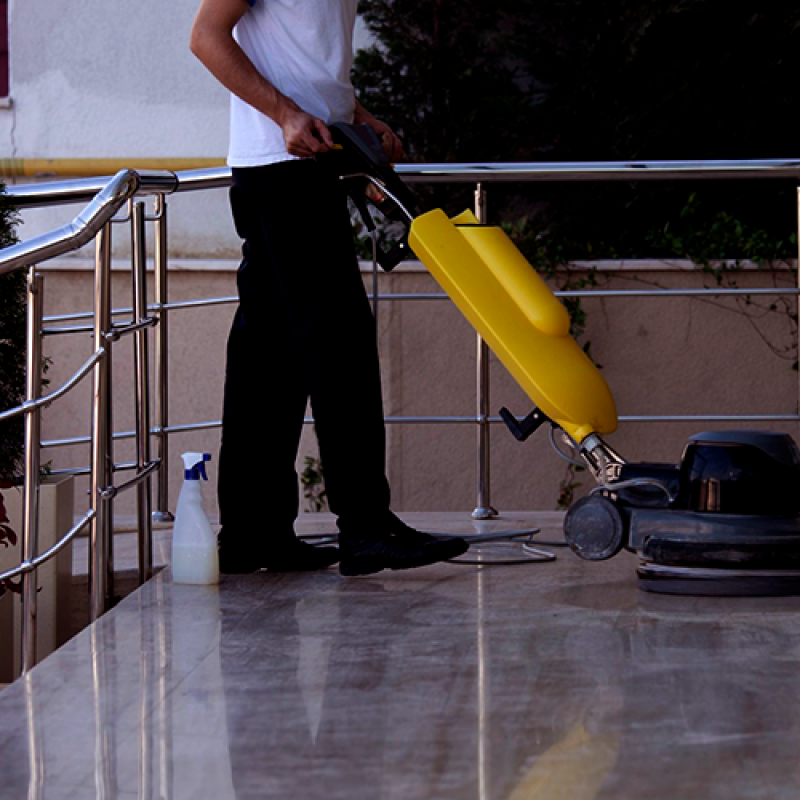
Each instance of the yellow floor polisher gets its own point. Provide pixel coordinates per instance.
(725, 520)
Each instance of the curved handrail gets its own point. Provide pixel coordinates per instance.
(77, 233)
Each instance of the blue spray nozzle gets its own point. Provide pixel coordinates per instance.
(195, 466)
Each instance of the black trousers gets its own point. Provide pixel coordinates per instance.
(303, 329)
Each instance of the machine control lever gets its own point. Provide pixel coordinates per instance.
(522, 429)
(389, 259)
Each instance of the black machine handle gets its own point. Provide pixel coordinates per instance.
(362, 155)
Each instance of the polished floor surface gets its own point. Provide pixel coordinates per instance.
(554, 681)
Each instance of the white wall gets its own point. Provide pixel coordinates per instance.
(107, 78)
(115, 79)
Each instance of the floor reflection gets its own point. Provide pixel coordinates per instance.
(349, 689)
(461, 684)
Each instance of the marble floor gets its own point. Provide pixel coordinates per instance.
(554, 681)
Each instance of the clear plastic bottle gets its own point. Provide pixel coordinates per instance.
(194, 544)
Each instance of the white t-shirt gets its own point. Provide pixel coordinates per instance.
(305, 49)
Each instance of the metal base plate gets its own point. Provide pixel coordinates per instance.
(717, 582)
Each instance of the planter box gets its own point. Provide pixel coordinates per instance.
(56, 517)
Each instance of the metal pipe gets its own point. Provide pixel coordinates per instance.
(67, 331)
(711, 418)
(156, 308)
(202, 179)
(76, 234)
(29, 566)
(484, 509)
(587, 293)
(101, 441)
(142, 373)
(166, 182)
(600, 171)
(161, 294)
(711, 292)
(375, 293)
(123, 467)
(108, 533)
(81, 167)
(30, 508)
(143, 475)
(88, 315)
(60, 392)
(39, 195)
(200, 303)
(118, 331)
(419, 420)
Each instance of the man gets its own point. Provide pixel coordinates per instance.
(304, 321)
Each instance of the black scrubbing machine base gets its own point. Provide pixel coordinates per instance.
(725, 521)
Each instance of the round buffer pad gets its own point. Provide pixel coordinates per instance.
(594, 528)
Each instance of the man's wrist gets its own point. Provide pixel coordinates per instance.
(285, 109)
(361, 115)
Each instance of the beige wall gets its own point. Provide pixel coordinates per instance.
(660, 356)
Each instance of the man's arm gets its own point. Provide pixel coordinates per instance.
(213, 43)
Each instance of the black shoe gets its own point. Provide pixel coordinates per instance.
(295, 556)
(367, 556)
(396, 527)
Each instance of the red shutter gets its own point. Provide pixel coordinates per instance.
(3, 48)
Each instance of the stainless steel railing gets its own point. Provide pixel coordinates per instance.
(105, 197)
(93, 223)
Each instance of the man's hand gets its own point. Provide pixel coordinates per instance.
(392, 146)
(304, 134)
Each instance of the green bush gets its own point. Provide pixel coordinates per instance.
(12, 372)
(12, 348)
(618, 80)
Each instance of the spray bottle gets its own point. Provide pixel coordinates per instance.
(194, 545)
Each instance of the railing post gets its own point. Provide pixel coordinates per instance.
(161, 298)
(375, 292)
(30, 511)
(142, 373)
(484, 509)
(100, 530)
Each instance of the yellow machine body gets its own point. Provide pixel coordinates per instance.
(518, 316)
